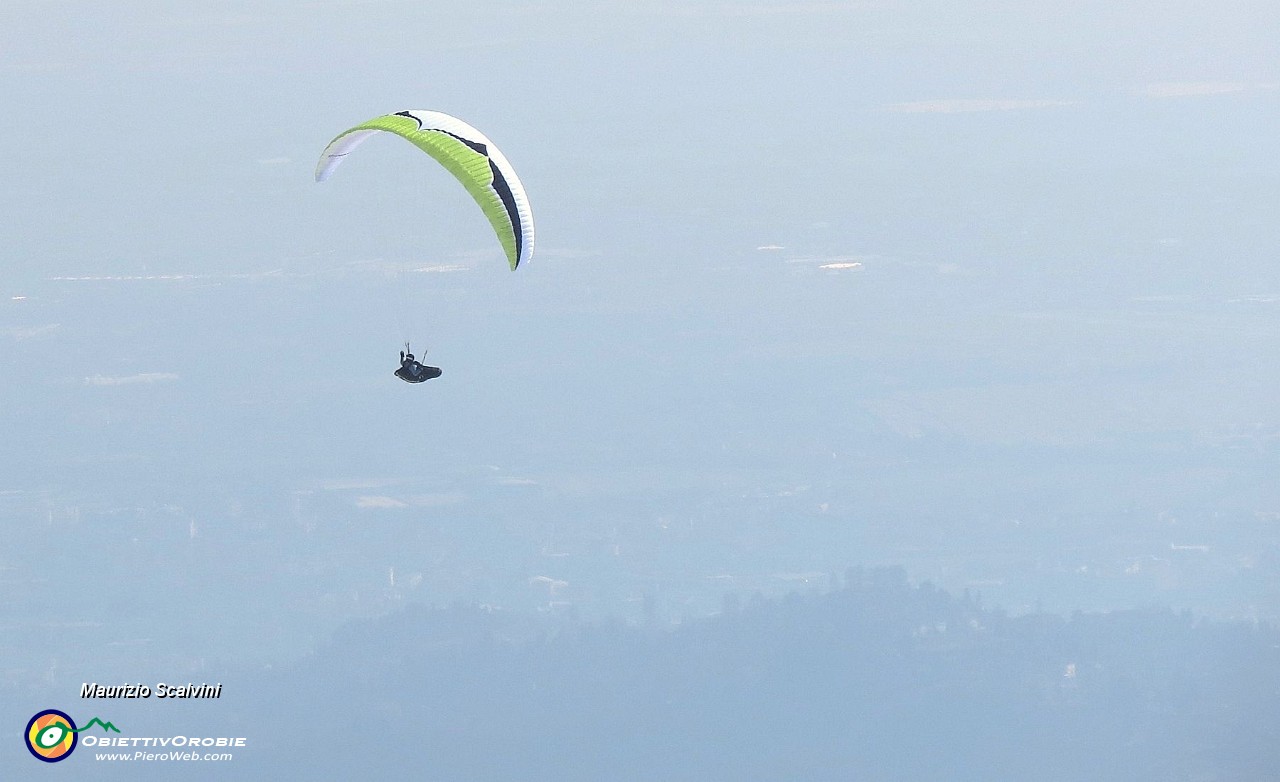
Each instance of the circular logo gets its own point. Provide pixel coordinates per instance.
(51, 735)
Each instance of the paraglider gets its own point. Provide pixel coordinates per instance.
(473, 159)
(413, 371)
(467, 154)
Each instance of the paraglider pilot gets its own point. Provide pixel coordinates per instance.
(411, 371)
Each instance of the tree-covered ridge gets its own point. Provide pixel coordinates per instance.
(877, 679)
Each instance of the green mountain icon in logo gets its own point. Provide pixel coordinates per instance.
(106, 726)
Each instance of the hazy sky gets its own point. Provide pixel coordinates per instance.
(988, 289)
(181, 136)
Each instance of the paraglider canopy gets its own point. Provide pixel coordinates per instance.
(467, 154)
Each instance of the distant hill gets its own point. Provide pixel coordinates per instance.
(879, 679)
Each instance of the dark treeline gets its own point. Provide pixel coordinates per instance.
(880, 679)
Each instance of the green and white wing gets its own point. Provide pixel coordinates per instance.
(467, 154)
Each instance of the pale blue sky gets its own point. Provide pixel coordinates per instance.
(817, 284)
